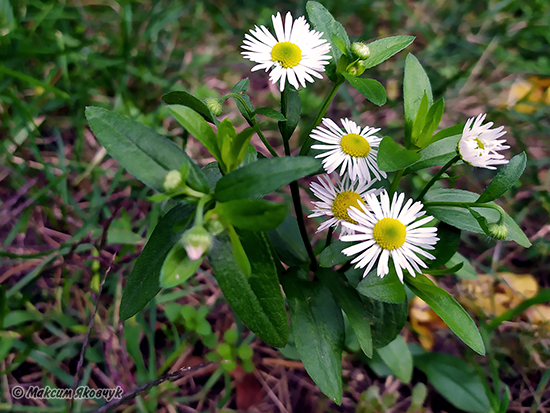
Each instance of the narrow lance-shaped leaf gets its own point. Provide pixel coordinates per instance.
(181, 97)
(197, 127)
(146, 154)
(256, 299)
(274, 172)
(398, 358)
(369, 88)
(322, 21)
(253, 214)
(318, 329)
(351, 303)
(382, 49)
(291, 107)
(389, 288)
(448, 309)
(415, 84)
(461, 217)
(393, 157)
(505, 178)
(143, 283)
(455, 380)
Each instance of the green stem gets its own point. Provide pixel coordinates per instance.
(329, 236)
(469, 205)
(295, 191)
(252, 121)
(436, 177)
(395, 182)
(200, 209)
(322, 111)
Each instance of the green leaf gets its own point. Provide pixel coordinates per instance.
(505, 178)
(183, 98)
(443, 271)
(291, 107)
(241, 87)
(420, 119)
(270, 113)
(197, 127)
(438, 153)
(467, 271)
(274, 173)
(322, 21)
(238, 251)
(389, 288)
(256, 299)
(254, 215)
(225, 136)
(332, 255)
(433, 118)
(382, 49)
(446, 247)
(143, 283)
(415, 84)
(398, 358)
(369, 88)
(288, 243)
(318, 329)
(393, 157)
(455, 380)
(481, 220)
(139, 149)
(352, 305)
(387, 320)
(461, 217)
(177, 267)
(450, 131)
(450, 311)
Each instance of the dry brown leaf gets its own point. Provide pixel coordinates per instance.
(425, 322)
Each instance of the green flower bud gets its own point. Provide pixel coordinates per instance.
(172, 181)
(213, 224)
(356, 68)
(214, 105)
(196, 242)
(498, 231)
(361, 50)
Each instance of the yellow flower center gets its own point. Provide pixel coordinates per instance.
(287, 54)
(342, 202)
(389, 233)
(480, 144)
(355, 145)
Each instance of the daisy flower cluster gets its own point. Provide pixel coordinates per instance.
(364, 213)
(383, 229)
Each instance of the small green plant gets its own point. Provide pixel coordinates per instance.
(389, 240)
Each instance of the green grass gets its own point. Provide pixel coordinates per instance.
(67, 212)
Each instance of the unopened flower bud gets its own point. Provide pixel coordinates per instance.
(361, 50)
(214, 226)
(498, 231)
(214, 105)
(172, 181)
(196, 242)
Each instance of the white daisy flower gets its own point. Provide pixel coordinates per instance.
(390, 232)
(336, 199)
(354, 150)
(295, 55)
(479, 144)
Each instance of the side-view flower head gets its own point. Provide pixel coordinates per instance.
(352, 149)
(296, 55)
(479, 144)
(386, 232)
(336, 200)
